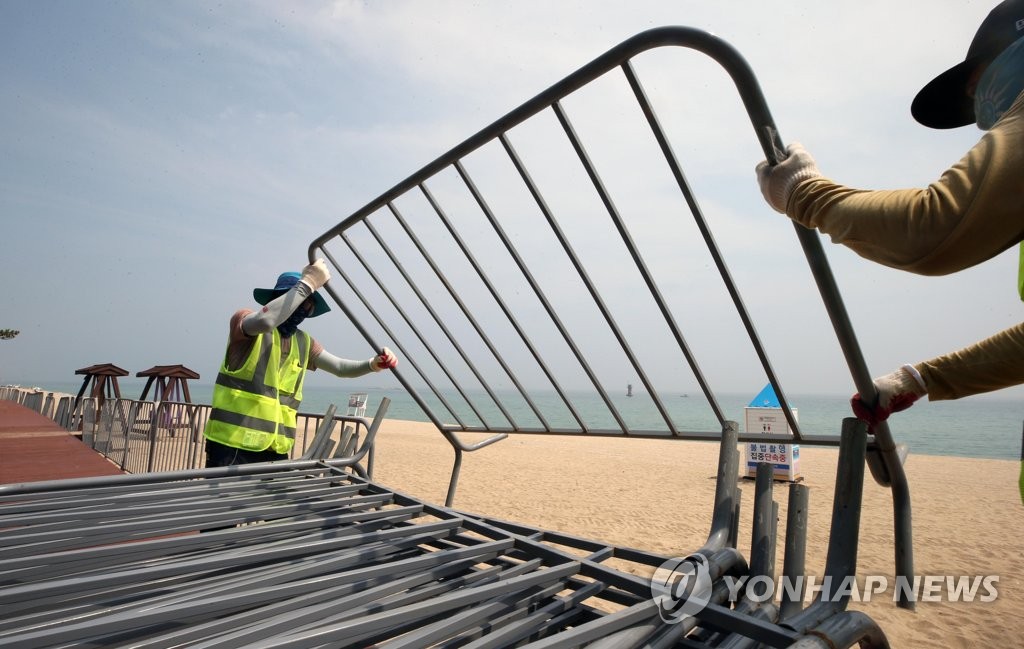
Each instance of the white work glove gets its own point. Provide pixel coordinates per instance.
(315, 275)
(386, 360)
(896, 391)
(777, 182)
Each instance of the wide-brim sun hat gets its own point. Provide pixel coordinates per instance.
(944, 102)
(285, 282)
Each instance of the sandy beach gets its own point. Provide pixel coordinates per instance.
(657, 495)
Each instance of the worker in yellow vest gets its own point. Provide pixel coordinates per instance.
(259, 385)
(973, 212)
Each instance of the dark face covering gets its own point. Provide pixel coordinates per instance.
(288, 328)
(999, 86)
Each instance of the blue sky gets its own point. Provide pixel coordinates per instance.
(158, 160)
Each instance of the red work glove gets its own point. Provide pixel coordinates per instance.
(895, 392)
(386, 360)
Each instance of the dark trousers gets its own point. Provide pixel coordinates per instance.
(218, 454)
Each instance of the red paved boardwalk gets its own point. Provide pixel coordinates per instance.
(33, 447)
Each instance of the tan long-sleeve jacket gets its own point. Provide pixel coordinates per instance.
(973, 212)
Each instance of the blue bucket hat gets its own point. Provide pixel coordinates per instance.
(285, 282)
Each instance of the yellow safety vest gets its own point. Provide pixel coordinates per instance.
(1020, 291)
(1020, 271)
(254, 406)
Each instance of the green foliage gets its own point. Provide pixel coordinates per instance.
(7, 334)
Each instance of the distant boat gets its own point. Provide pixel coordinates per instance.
(629, 390)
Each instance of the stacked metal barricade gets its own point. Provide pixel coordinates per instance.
(305, 554)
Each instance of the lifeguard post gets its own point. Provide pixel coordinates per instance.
(104, 382)
(170, 383)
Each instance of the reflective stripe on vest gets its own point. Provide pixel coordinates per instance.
(255, 406)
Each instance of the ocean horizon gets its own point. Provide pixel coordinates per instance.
(982, 427)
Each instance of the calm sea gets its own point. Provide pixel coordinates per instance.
(987, 427)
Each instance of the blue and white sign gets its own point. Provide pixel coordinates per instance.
(764, 415)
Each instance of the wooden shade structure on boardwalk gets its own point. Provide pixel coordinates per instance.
(171, 382)
(104, 381)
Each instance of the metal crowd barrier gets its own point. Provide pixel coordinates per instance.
(146, 436)
(37, 399)
(487, 270)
